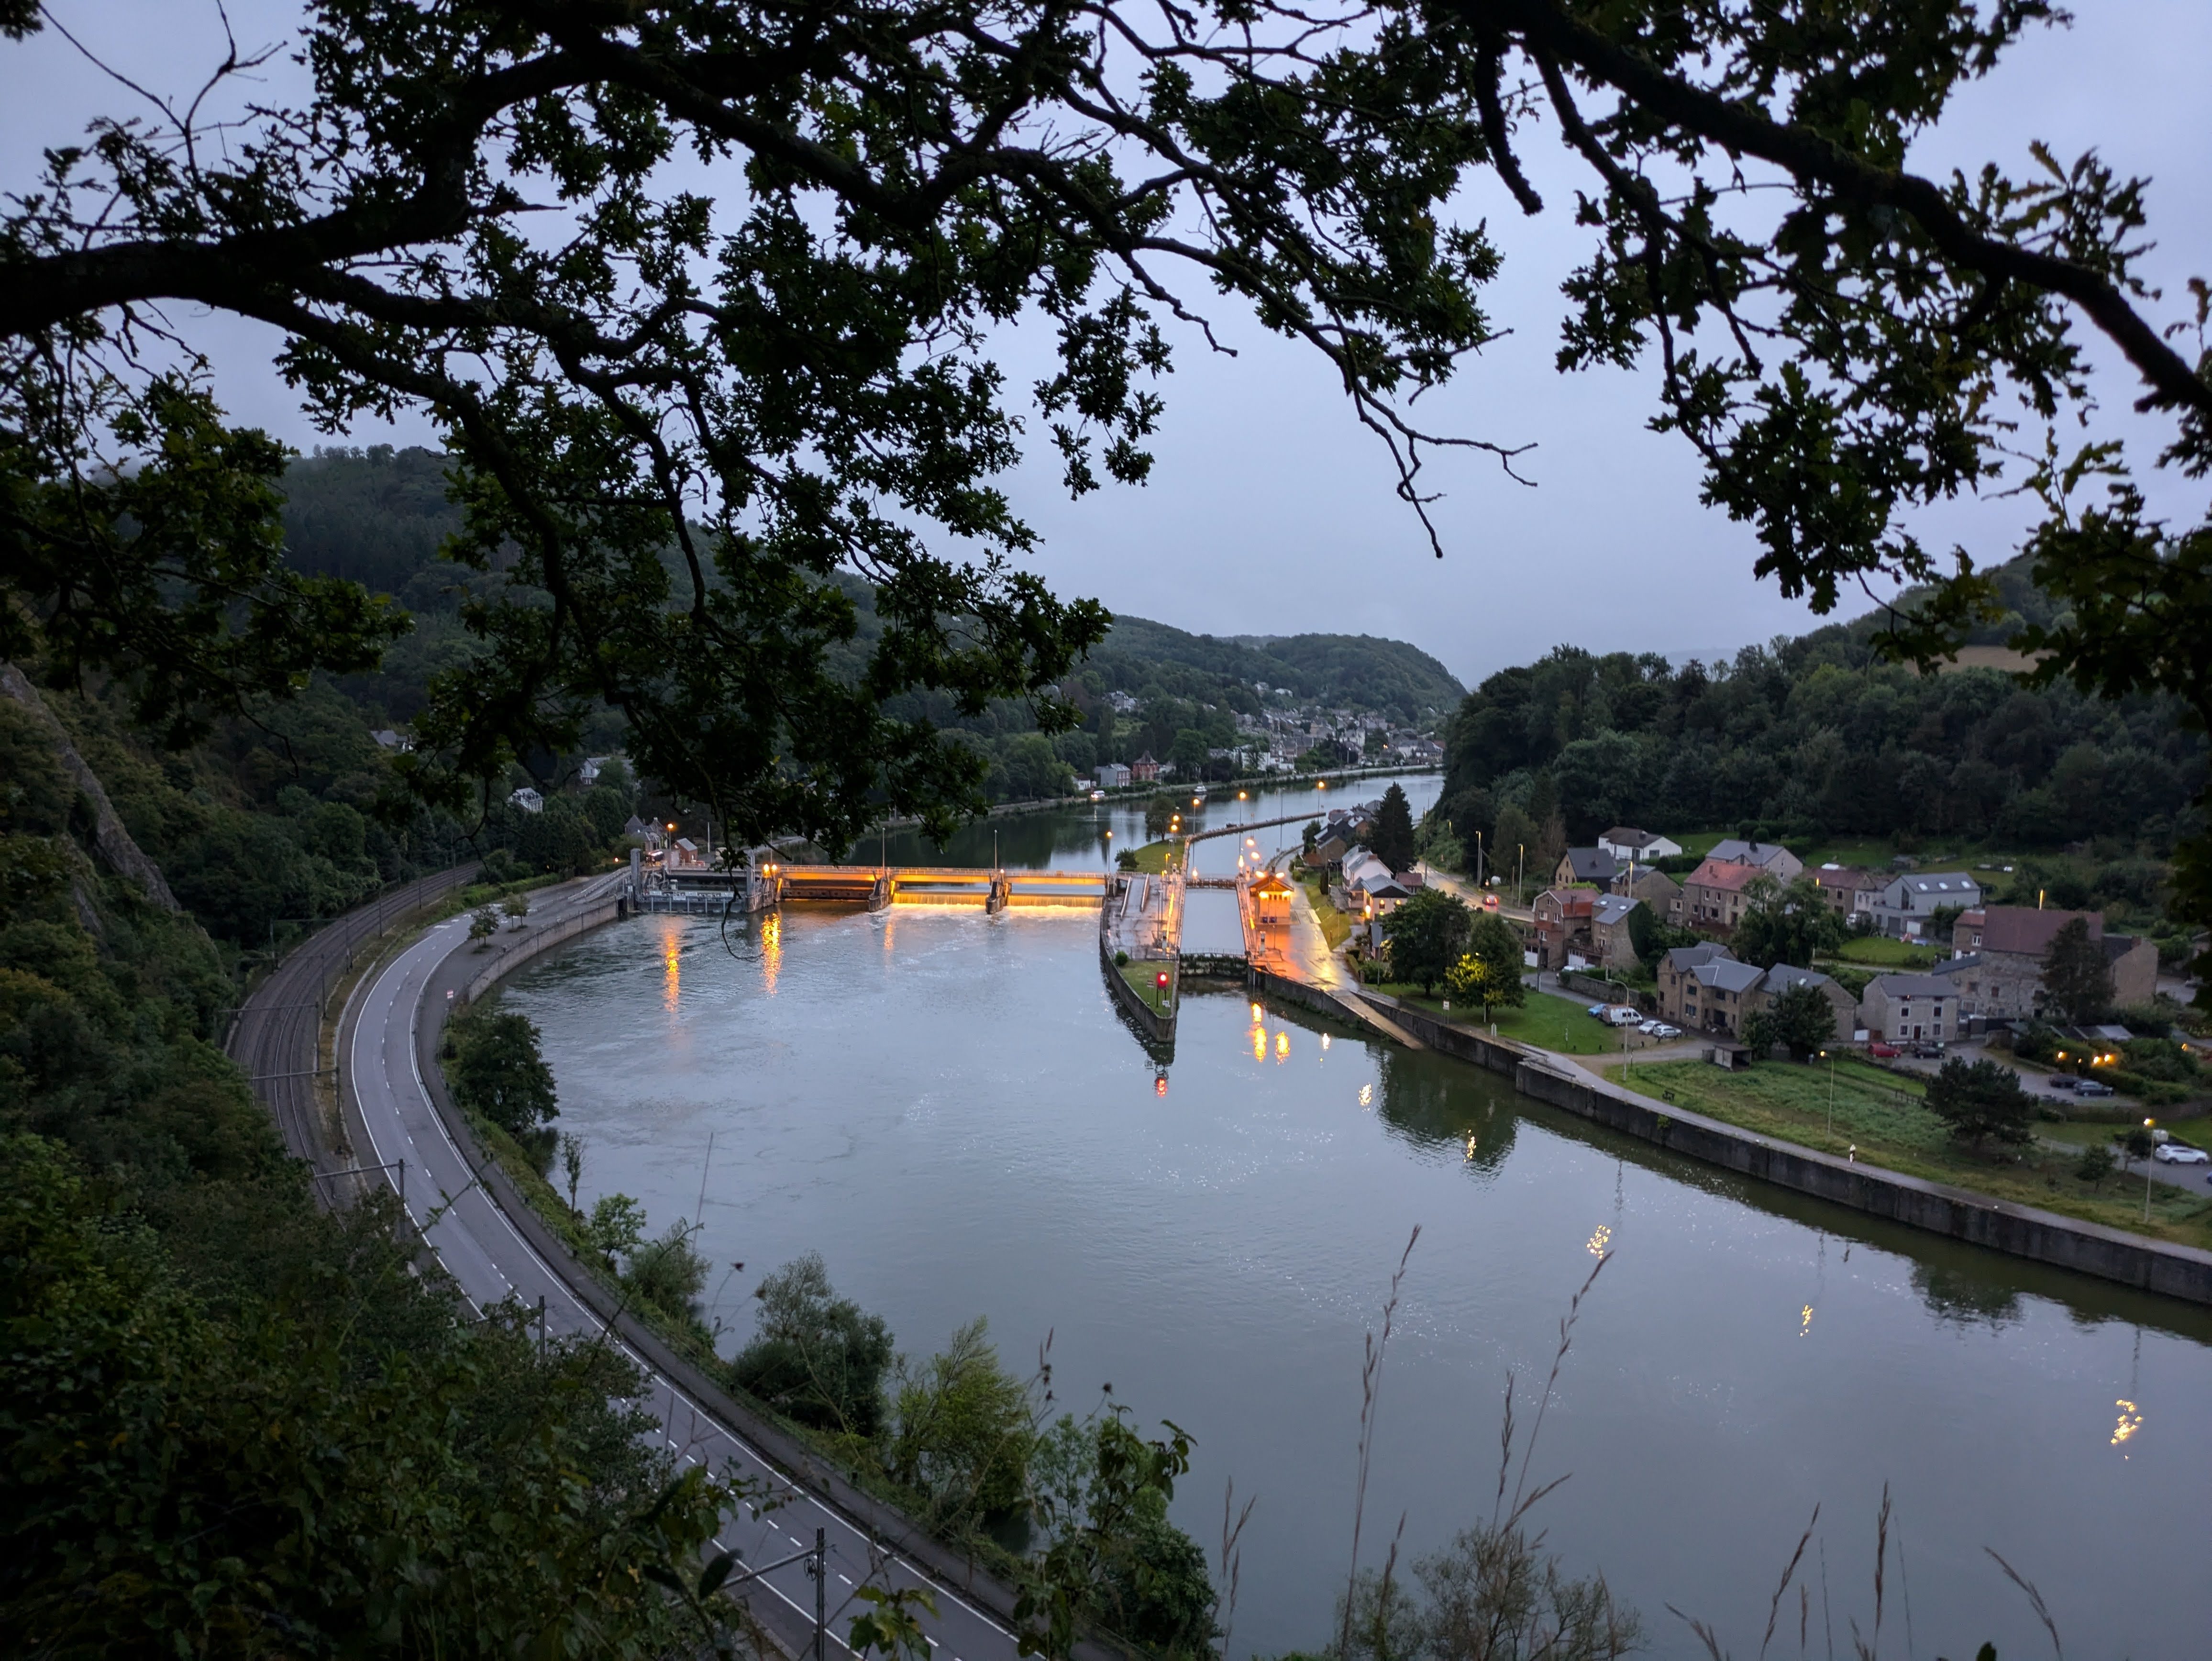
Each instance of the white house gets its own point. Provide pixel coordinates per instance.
(1626, 843)
(527, 799)
(1905, 909)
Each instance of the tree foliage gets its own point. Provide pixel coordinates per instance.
(1099, 1495)
(1490, 971)
(2077, 982)
(1426, 935)
(1494, 1594)
(1392, 841)
(497, 1069)
(959, 1429)
(820, 1358)
(1800, 1018)
(1981, 1101)
(1788, 924)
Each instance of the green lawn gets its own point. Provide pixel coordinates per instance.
(1882, 1114)
(1155, 857)
(1549, 1022)
(1886, 953)
(1144, 977)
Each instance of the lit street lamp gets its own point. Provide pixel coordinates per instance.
(2147, 1163)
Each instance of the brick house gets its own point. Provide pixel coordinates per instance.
(1658, 891)
(1562, 918)
(1145, 769)
(1712, 895)
(1906, 1008)
(1611, 942)
(1998, 970)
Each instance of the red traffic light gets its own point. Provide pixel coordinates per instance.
(1164, 977)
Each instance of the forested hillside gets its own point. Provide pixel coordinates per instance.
(1816, 739)
(378, 516)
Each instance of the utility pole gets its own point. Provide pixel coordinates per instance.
(819, 1568)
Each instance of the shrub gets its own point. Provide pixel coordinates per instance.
(1980, 1102)
(961, 1429)
(817, 1357)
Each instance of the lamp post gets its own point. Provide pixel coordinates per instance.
(2147, 1163)
(1831, 1061)
(1520, 860)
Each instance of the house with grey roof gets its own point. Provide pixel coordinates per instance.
(1704, 989)
(1593, 865)
(1625, 843)
(1904, 908)
(1910, 1009)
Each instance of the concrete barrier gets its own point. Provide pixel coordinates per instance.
(542, 940)
(2043, 1236)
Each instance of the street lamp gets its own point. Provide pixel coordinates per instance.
(1831, 1061)
(2147, 1163)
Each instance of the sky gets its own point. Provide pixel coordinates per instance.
(1270, 509)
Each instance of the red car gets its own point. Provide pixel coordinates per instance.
(1887, 1052)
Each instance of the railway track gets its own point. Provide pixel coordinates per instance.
(276, 1033)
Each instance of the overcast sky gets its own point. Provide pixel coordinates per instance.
(1270, 509)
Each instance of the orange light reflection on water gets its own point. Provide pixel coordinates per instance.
(671, 970)
(771, 949)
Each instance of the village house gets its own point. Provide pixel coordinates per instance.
(1904, 908)
(1713, 894)
(1998, 970)
(1145, 769)
(1371, 889)
(1656, 889)
(1849, 890)
(1112, 774)
(527, 799)
(1909, 1009)
(1612, 942)
(1702, 989)
(1562, 918)
(1628, 845)
(1772, 857)
(1591, 866)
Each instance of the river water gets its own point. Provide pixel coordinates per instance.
(947, 1106)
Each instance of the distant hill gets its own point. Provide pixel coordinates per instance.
(377, 516)
(1360, 670)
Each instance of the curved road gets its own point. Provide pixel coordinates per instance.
(488, 1258)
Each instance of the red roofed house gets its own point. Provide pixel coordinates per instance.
(1712, 895)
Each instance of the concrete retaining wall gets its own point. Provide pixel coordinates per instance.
(2024, 1231)
(544, 940)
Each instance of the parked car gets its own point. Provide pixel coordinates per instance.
(2093, 1087)
(2062, 1081)
(1597, 1010)
(1622, 1014)
(1664, 1029)
(1887, 1052)
(2180, 1154)
(1651, 1029)
(1928, 1052)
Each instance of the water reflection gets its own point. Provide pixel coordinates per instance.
(996, 1145)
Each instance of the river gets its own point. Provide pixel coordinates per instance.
(948, 1108)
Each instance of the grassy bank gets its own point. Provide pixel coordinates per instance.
(1882, 1115)
(1142, 977)
(1546, 1021)
(1156, 858)
(1335, 926)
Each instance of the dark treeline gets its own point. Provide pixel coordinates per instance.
(379, 516)
(1817, 738)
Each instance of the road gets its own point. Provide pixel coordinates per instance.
(391, 1050)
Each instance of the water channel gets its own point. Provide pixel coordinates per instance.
(947, 1107)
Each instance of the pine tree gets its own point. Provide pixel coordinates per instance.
(1393, 840)
(2077, 983)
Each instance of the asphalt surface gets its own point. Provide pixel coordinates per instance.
(392, 1047)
